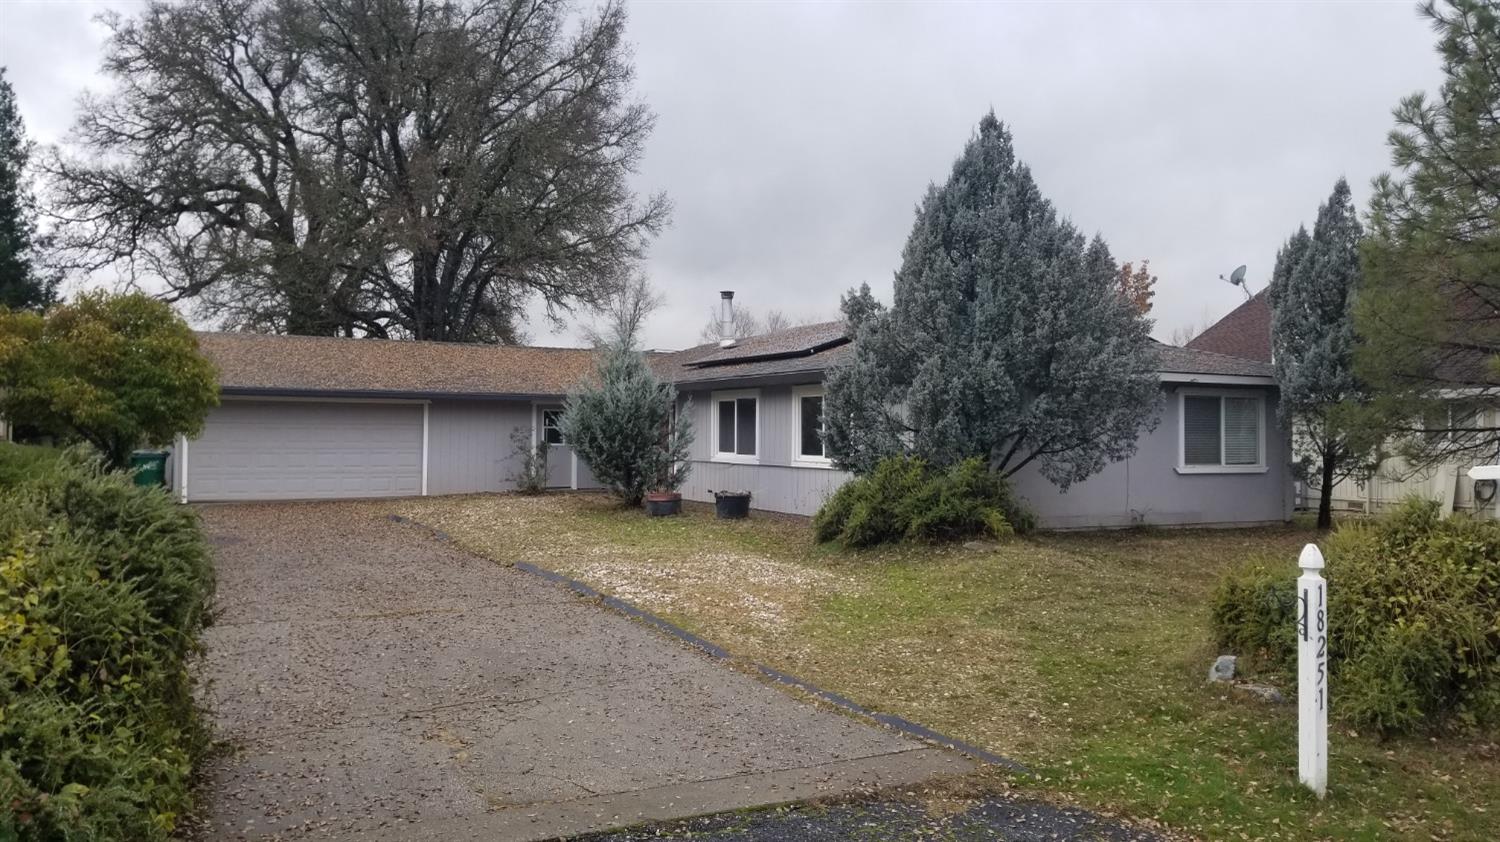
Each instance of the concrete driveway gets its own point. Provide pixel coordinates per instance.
(375, 683)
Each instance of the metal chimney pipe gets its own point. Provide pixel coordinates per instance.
(726, 318)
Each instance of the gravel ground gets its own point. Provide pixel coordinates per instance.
(372, 682)
(886, 821)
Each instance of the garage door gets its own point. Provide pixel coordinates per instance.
(293, 450)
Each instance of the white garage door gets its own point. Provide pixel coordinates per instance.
(294, 450)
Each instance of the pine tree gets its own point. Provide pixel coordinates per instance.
(1428, 313)
(1313, 341)
(1007, 340)
(22, 285)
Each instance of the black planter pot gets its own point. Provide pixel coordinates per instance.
(663, 505)
(732, 505)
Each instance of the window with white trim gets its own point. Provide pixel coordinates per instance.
(552, 426)
(736, 422)
(1222, 432)
(807, 416)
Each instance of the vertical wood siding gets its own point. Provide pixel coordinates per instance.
(469, 447)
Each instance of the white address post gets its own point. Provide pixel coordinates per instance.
(1312, 672)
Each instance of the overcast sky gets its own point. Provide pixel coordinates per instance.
(795, 139)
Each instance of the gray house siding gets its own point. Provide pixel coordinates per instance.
(776, 483)
(469, 447)
(1148, 489)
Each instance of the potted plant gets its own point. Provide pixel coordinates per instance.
(663, 503)
(731, 505)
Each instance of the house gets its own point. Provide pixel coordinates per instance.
(1216, 458)
(313, 417)
(1246, 333)
(306, 417)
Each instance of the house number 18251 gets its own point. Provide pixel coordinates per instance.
(1312, 671)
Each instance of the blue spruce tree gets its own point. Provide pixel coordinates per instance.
(1008, 338)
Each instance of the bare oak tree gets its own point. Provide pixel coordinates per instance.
(416, 168)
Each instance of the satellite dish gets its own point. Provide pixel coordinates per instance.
(1237, 278)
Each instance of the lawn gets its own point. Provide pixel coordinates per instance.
(1082, 656)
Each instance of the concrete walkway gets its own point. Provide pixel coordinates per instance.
(375, 683)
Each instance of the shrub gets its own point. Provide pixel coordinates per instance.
(19, 462)
(105, 587)
(531, 459)
(905, 500)
(1413, 601)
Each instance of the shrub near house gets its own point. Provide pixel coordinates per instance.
(103, 588)
(1414, 639)
(904, 499)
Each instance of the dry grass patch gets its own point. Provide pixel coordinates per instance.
(1081, 656)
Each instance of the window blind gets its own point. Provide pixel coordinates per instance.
(1200, 430)
(1241, 431)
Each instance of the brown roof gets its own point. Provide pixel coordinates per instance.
(259, 363)
(252, 363)
(1172, 360)
(1245, 332)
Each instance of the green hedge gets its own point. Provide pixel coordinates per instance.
(1414, 619)
(105, 587)
(20, 462)
(905, 500)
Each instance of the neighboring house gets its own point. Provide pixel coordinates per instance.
(1246, 333)
(1216, 458)
(309, 417)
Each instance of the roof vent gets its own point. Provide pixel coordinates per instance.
(726, 318)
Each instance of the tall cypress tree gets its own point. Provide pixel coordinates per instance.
(1007, 339)
(1313, 341)
(21, 285)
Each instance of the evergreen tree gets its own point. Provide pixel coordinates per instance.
(1428, 313)
(624, 426)
(22, 285)
(1312, 340)
(1007, 340)
(859, 307)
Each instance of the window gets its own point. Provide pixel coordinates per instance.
(552, 426)
(807, 412)
(736, 421)
(1222, 432)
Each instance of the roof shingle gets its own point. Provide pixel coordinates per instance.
(1245, 332)
(316, 364)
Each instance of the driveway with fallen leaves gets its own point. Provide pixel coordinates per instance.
(368, 681)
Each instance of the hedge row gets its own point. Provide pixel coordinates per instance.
(103, 590)
(1414, 619)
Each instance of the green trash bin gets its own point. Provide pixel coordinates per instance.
(150, 467)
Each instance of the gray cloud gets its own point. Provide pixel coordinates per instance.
(796, 139)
